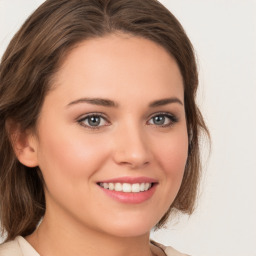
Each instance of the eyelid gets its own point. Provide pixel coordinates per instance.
(173, 118)
(83, 116)
(81, 119)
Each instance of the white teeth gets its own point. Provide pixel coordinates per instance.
(147, 186)
(111, 186)
(136, 188)
(105, 185)
(127, 187)
(118, 187)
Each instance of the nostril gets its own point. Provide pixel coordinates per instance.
(135, 164)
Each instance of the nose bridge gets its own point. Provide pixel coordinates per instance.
(131, 144)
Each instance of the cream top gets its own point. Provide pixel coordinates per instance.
(20, 247)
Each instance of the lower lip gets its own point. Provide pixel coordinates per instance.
(130, 198)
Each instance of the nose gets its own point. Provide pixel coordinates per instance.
(131, 147)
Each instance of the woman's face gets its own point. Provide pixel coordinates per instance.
(112, 137)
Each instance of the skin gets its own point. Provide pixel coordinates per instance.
(133, 72)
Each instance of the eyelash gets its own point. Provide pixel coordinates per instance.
(82, 120)
(172, 120)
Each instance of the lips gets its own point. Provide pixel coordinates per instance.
(129, 189)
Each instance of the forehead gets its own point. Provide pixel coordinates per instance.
(121, 63)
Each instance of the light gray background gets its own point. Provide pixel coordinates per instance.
(224, 36)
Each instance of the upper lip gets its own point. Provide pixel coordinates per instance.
(131, 180)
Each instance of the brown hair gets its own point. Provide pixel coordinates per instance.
(30, 62)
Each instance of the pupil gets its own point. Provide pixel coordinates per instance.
(159, 120)
(94, 121)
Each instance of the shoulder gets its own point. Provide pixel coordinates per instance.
(169, 251)
(172, 252)
(11, 248)
(18, 247)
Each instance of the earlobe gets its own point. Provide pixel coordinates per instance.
(24, 144)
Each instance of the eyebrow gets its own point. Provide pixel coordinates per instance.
(166, 101)
(95, 101)
(110, 103)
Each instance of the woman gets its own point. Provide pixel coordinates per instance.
(99, 129)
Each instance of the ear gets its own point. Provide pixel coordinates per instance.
(24, 144)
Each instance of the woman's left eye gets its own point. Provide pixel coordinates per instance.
(93, 121)
(163, 120)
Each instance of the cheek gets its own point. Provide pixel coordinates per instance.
(69, 156)
(171, 155)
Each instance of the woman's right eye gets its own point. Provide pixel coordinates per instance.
(94, 121)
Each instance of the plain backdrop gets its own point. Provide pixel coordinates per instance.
(223, 33)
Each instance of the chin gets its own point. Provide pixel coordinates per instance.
(131, 227)
(129, 232)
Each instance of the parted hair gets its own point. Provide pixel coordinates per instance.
(27, 70)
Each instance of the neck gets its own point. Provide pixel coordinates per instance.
(66, 237)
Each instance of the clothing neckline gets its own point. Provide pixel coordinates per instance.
(28, 250)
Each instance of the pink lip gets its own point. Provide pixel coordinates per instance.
(130, 198)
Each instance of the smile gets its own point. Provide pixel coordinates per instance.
(131, 190)
(126, 187)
